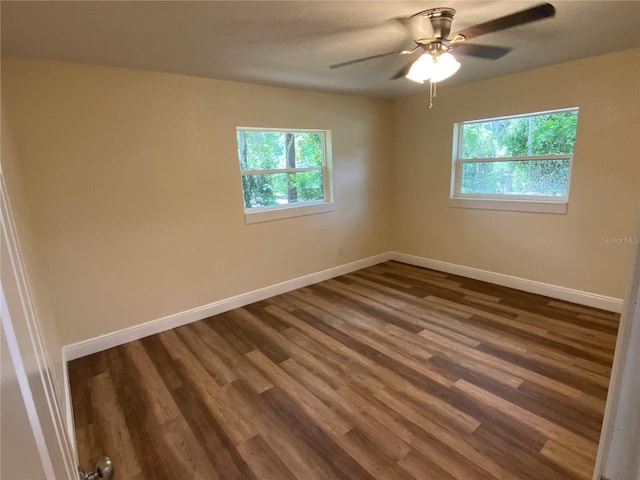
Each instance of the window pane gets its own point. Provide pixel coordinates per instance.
(552, 133)
(274, 189)
(309, 151)
(494, 139)
(264, 150)
(261, 150)
(535, 177)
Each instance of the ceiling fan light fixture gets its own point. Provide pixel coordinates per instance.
(436, 69)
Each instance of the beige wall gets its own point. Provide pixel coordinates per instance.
(128, 199)
(133, 183)
(565, 250)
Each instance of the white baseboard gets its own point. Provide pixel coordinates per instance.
(109, 340)
(103, 342)
(594, 300)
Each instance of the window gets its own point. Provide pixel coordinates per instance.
(285, 173)
(521, 162)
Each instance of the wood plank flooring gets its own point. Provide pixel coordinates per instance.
(393, 372)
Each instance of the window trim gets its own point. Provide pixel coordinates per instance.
(268, 214)
(537, 206)
(278, 212)
(519, 203)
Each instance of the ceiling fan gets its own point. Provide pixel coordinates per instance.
(436, 62)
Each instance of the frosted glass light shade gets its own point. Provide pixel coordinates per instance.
(445, 66)
(422, 69)
(436, 69)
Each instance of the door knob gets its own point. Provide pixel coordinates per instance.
(103, 471)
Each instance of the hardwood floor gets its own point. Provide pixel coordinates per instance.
(393, 372)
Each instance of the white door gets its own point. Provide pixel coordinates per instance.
(35, 444)
(19, 455)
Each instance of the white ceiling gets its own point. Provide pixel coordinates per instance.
(292, 43)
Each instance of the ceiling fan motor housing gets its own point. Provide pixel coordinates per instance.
(440, 19)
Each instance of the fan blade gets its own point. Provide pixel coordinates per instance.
(544, 10)
(482, 51)
(403, 71)
(379, 55)
(382, 28)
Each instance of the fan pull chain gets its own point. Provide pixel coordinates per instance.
(433, 92)
(430, 94)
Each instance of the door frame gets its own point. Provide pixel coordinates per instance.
(618, 401)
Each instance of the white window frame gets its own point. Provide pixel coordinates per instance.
(278, 212)
(518, 203)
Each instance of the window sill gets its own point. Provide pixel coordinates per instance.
(278, 213)
(510, 205)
